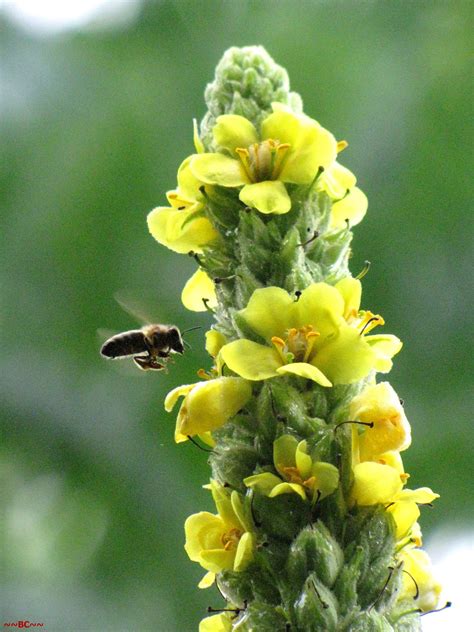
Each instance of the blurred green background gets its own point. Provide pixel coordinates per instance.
(94, 123)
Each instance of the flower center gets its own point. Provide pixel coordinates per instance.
(298, 346)
(293, 475)
(263, 161)
(230, 539)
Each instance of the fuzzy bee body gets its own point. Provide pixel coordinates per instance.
(151, 346)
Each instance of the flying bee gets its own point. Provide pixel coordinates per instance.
(151, 346)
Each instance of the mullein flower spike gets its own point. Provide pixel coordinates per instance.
(315, 529)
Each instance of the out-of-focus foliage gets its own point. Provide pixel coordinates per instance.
(94, 125)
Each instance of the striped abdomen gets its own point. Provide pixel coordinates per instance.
(126, 344)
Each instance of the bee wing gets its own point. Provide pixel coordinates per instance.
(143, 310)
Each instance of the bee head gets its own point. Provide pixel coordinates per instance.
(174, 340)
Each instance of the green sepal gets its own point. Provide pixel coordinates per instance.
(371, 530)
(369, 622)
(282, 517)
(315, 608)
(262, 617)
(314, 550)
(223, 208)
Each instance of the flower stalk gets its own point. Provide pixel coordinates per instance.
(314, 528)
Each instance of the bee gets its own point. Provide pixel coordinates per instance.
(151, 346)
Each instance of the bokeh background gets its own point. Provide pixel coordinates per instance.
(97, 99)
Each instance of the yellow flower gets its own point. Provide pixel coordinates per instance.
(379, 483)
(379, 404)
(319, 337)
(298, 473)
(207, 405)
(182, 227)
(223, 541)
(199, 293)
(349, 202)
(419, 582)
(217, 623)
(290, 148)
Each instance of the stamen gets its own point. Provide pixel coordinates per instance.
(280, 154)
(311, 239)
(417, 590)
(391, 569)
(311, 337)
(370, 322)
(370, 424)
(244, 159)
(341, 145)
(197, 444)
(195, 256)
(448, 604)
(206, 305)
(364, 270)
(280, 346)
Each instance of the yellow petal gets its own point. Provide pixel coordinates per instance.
(422, 495)
(345, 358)
(320, 305)
(405, 515)
(175, 394)
(303, 460)
(380, 405)
(217, 560)
(326, 478)
(198, 289)
(198, 144)
(223, 501)
(245, 550)
(303, 369)
(214, 342)
(232, 131)
(203, 531)
(188, 184)
(284, 453)
(288, 488)
(269, 197)
(250, 360)
(418, 580)
(351, 291)
(336, 180)
(311, 146)
(206, 582)
(352, 208)
(262, 483)
(216, 623)
(179, 230)
(209, 404)
(218, 169)
(384, 347)
(269, 312)
(375, 483)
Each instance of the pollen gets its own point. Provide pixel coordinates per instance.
(230, 539)
(298, 346)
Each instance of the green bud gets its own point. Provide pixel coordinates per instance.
(316, 607)
(314, 550)
(247, 82)
(369, 622)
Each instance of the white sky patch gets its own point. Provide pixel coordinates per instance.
(453, 561)
(54, 16)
